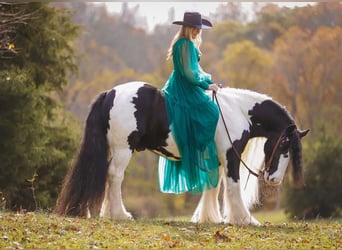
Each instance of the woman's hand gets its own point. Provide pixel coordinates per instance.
(214, 87)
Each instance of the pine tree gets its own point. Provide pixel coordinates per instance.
(37, 138)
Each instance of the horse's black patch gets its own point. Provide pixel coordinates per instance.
(233, 157)
(107, 105)
(152, 122)
(268, 116)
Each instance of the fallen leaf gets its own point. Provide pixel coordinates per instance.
(166, 237)
(221, 237)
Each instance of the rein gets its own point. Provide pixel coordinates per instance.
(230, 140)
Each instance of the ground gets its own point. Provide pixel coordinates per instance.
(48, 231)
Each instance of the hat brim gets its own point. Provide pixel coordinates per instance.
(205, 24)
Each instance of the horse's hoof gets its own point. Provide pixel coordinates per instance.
(254, 222)
(195, 219)
(241, 222)
(130, 216)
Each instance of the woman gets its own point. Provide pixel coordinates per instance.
(192, 114)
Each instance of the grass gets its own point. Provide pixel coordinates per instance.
(273, 216)
(48, 231)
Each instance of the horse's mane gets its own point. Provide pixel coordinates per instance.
(241, 99)
(245, 94)
(246, 99)
(253, 156)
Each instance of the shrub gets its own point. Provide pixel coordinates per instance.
(322, 195)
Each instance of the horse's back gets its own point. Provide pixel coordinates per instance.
(138, 116)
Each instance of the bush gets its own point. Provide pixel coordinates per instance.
(322, 195)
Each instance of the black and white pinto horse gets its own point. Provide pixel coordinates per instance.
(132, 117)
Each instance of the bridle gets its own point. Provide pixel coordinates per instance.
(276, 145)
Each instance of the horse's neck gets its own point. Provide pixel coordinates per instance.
(244, 99)
(260, 108)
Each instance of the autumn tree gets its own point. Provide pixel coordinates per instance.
(271, 22)
(307, 71)
(225, 32)
(244, 65)
(289, 52)
(312, 17)
(230, 11)
(321, 80)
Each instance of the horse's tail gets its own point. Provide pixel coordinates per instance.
(253, 156)
(84, 185)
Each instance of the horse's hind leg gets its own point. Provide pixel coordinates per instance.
(113, 206)
(208, 208)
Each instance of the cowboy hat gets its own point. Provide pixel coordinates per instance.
(194, 19)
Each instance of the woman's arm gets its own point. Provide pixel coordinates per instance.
(189, 65)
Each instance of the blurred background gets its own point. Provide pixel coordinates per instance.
(56, 57)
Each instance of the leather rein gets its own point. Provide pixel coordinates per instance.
(268, 163)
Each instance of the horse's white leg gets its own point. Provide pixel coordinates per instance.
(113, 206)
(208, 208)
(234, 210)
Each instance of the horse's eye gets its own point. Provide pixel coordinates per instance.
(284, 142)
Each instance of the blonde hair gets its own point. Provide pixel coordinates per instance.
(185, 32)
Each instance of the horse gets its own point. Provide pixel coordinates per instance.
(132, 117)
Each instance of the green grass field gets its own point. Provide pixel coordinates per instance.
(47, 231)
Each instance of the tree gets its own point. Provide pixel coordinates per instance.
(271, 22)
(244, 65)
(307, 68)
(322, 196)
(9, 22)
(321, 80)
(44, 42)
(313, 17)
(289, 53)
(226, 32)
(230, 11)
(37, 137)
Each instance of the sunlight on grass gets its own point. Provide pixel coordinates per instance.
(273, 216)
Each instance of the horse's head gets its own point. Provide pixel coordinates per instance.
(279, 149)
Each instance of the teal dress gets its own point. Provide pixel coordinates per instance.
(193, 118)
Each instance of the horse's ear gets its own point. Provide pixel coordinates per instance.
(303, 133)
(290, 128)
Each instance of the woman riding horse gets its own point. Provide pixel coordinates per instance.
(193, 116)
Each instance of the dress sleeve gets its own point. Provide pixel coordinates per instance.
(188, 64)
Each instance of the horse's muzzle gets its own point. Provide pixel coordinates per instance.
(272, 181)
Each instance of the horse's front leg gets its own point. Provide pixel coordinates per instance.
(113, 206)
(234, 210)
(208, 208)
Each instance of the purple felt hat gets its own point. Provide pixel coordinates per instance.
(194, 19)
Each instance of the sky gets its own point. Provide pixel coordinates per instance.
(157, 12)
